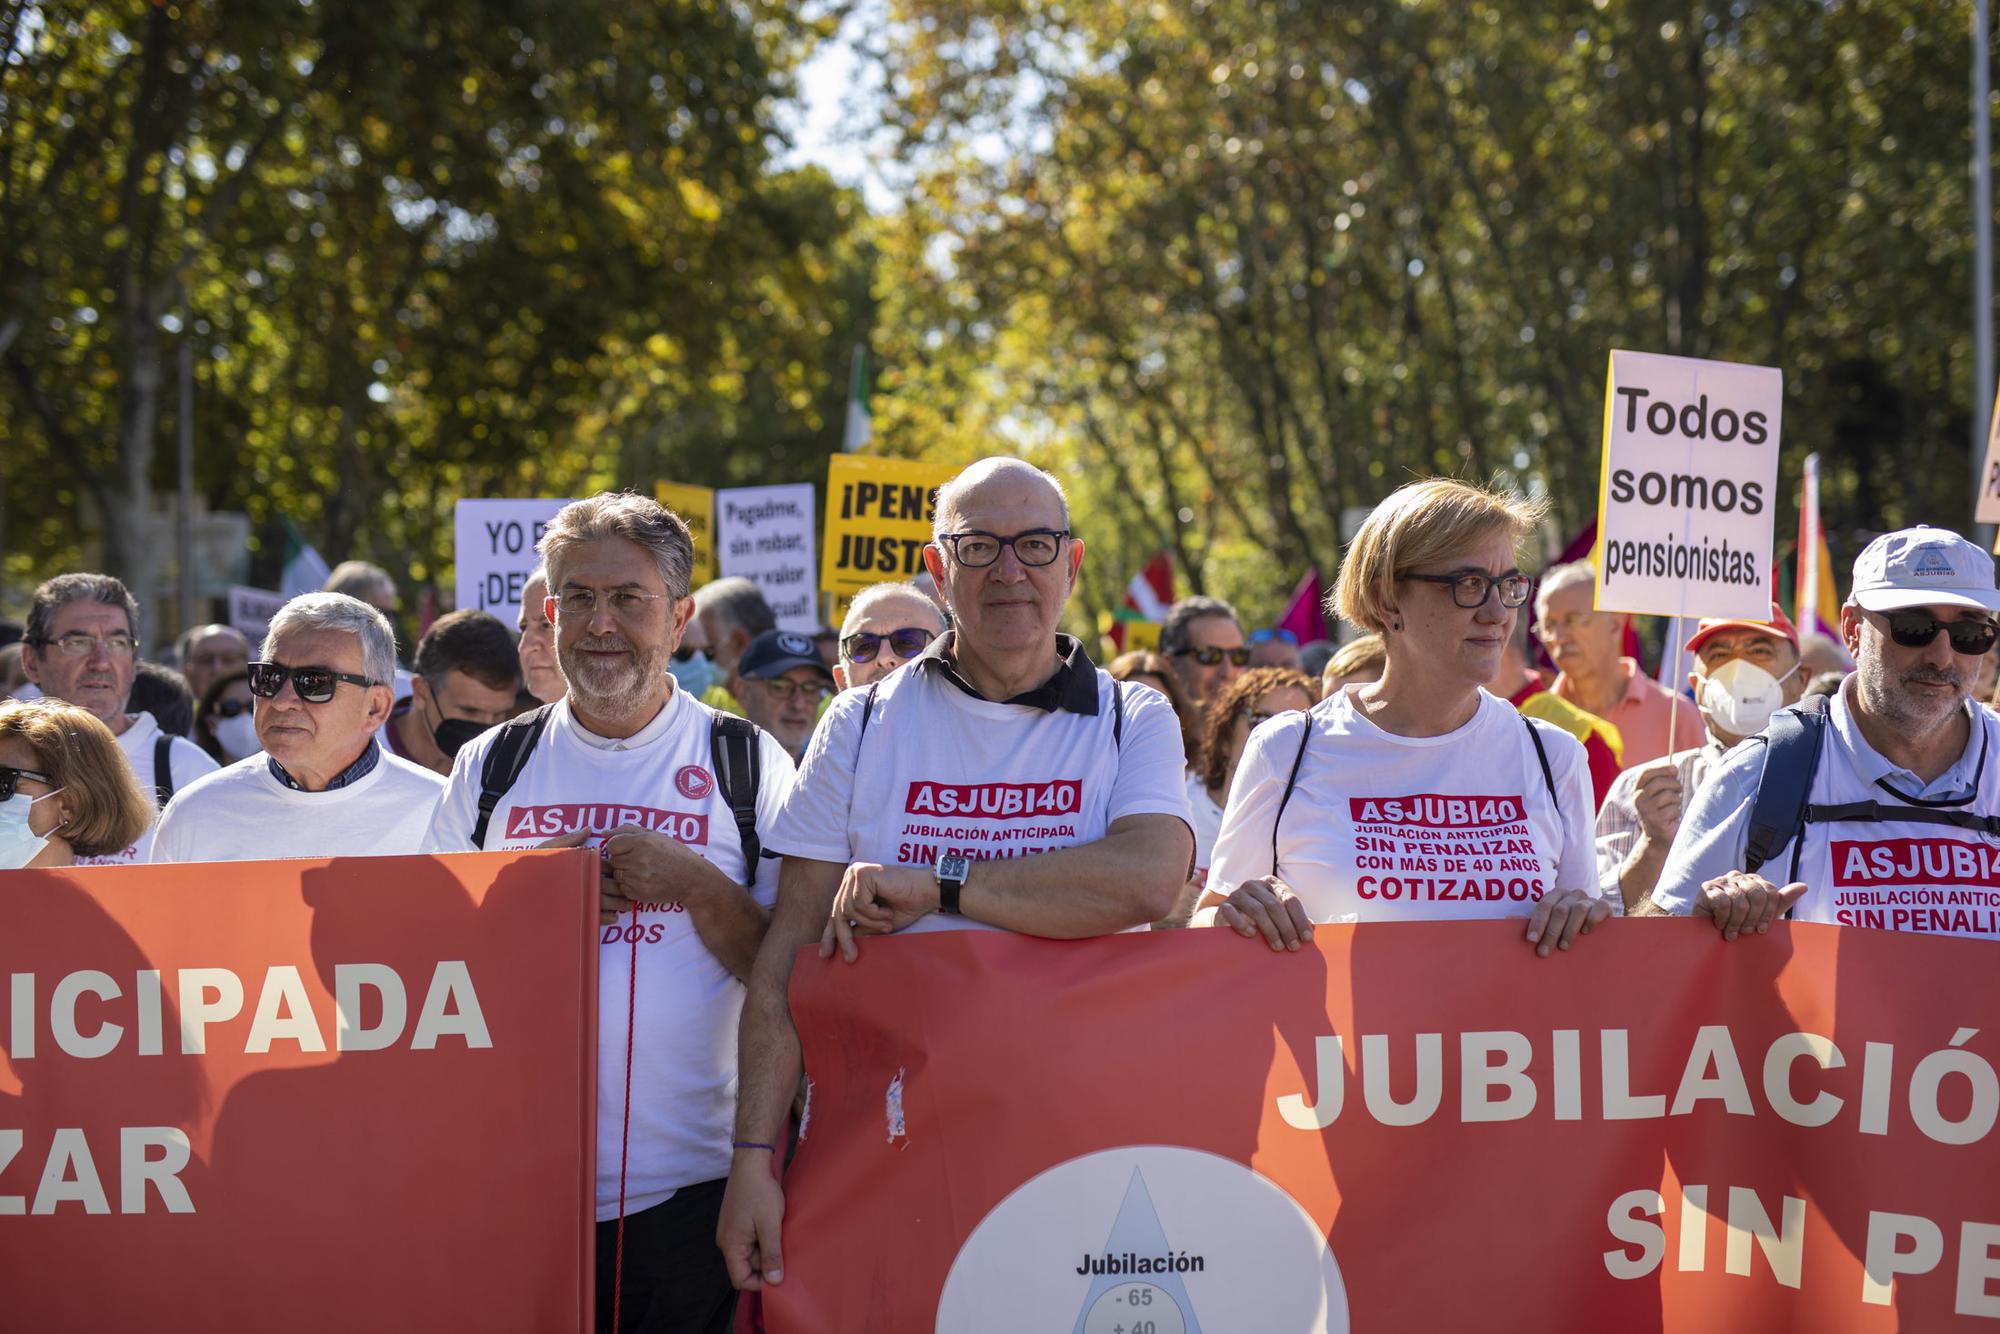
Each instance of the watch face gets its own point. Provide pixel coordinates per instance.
(953, 867)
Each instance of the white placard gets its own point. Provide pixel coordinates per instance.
(1988, 508)
(1689, 492)
(251, 610)
(765, 534)
(496, 551)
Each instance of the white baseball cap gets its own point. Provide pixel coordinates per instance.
(1923, 567)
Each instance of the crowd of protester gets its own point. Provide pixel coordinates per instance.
(861, 781)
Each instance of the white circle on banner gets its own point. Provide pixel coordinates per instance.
(1146, 1239)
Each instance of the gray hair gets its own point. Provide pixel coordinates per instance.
(867, 598)
(635, 518)
(1174, 631)
(1558, 577)
(337, 613)
(738, 603)
(59, 592)
(944, 516)
(538, 575)
(358, 578)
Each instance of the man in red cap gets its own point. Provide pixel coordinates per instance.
(1744, 671)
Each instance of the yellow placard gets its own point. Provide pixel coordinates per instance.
(878, 518)
(1142, 635)
(696, 506)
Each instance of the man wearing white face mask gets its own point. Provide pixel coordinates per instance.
(1744, 672)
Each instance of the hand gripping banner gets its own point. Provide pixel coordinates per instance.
(299, 1095)
(1413, 1127)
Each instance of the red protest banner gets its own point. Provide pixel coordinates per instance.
(299, 1095)
(1411, 1127)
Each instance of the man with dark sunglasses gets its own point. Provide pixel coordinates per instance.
(1880, 808)
(886, 626)
(1202, 641)
(323, 786)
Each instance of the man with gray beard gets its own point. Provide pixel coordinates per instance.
(1877, 807)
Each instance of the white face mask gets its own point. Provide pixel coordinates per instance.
(1739, 697)
(237, 736)
(20, 845)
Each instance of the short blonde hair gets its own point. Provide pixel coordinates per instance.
(1367, 653)
(81, 757)
(1420, 524)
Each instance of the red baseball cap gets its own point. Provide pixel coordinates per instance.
(1779, 624)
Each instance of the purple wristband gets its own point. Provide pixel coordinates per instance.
(751, 1144)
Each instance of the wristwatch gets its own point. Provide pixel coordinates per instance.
(951, 871)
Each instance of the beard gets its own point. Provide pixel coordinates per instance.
(612, 689)
(1883, 693)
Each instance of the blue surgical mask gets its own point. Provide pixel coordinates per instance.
(19, 845)
(696, 674)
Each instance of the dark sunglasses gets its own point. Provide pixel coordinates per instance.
(314, 684)
(1917, 629)
(9, 776)
(1209, 657)
(907, 642)
(230, 708)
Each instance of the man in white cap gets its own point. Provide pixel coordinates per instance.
(1878, 808)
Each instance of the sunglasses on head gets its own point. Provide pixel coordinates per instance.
(1266, 636)
(908, 642)
(9, 776)
(1918, 629)
(315, 685)
(1211, 657)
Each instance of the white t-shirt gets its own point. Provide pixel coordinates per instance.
(1387, 828)
(1206, 821)
(683, 1090)
(940, 769)
(243, 813)
(1887, 874)
(188, 762)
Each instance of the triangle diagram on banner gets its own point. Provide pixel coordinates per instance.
(1137, 1234)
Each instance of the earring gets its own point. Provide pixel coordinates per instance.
(1396, 625)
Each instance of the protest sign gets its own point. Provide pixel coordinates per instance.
(1401, 1127)
(878, 518)
(251, 610)
(1988, 508)
(696, 506)
(495, 551)
(1689, 488)
(765, 534)
(306, 1095)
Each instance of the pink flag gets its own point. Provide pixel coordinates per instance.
(1305, 616)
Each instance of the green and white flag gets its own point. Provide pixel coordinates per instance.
(305, 569)
(859, 430)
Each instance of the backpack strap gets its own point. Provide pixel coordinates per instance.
(1542, 754)
(1291, 781)
(504, 762)
(1874, 811)
(1117, 715)
(732, 744)
(1792, 744)
(867, 712)
(163, 768)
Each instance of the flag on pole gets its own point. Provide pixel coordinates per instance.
(1147, 597)
(1305, 615)
(859, 429)
(1816, 608)
(305, 569)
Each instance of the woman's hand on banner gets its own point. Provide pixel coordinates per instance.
(1559, 918)
(1268, 907)
(1740, 902)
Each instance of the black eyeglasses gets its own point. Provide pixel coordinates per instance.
(908, 642)
(1471, 588)
(314, 684)
(975, 549)
(9, 776)
(230, 708)
(1918, 629)
(1209, 656)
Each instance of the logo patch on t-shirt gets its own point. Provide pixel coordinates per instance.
(693, 782)
(996, 801)
(602, 817)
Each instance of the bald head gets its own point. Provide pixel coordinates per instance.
(1000, 481)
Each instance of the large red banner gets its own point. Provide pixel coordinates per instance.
(1399, 1128)
(300, 1095)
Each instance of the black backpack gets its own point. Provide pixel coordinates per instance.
(732, 748)
(163, 768)
(1783, 809)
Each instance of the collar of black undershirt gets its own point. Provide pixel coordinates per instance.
(1072, 689)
